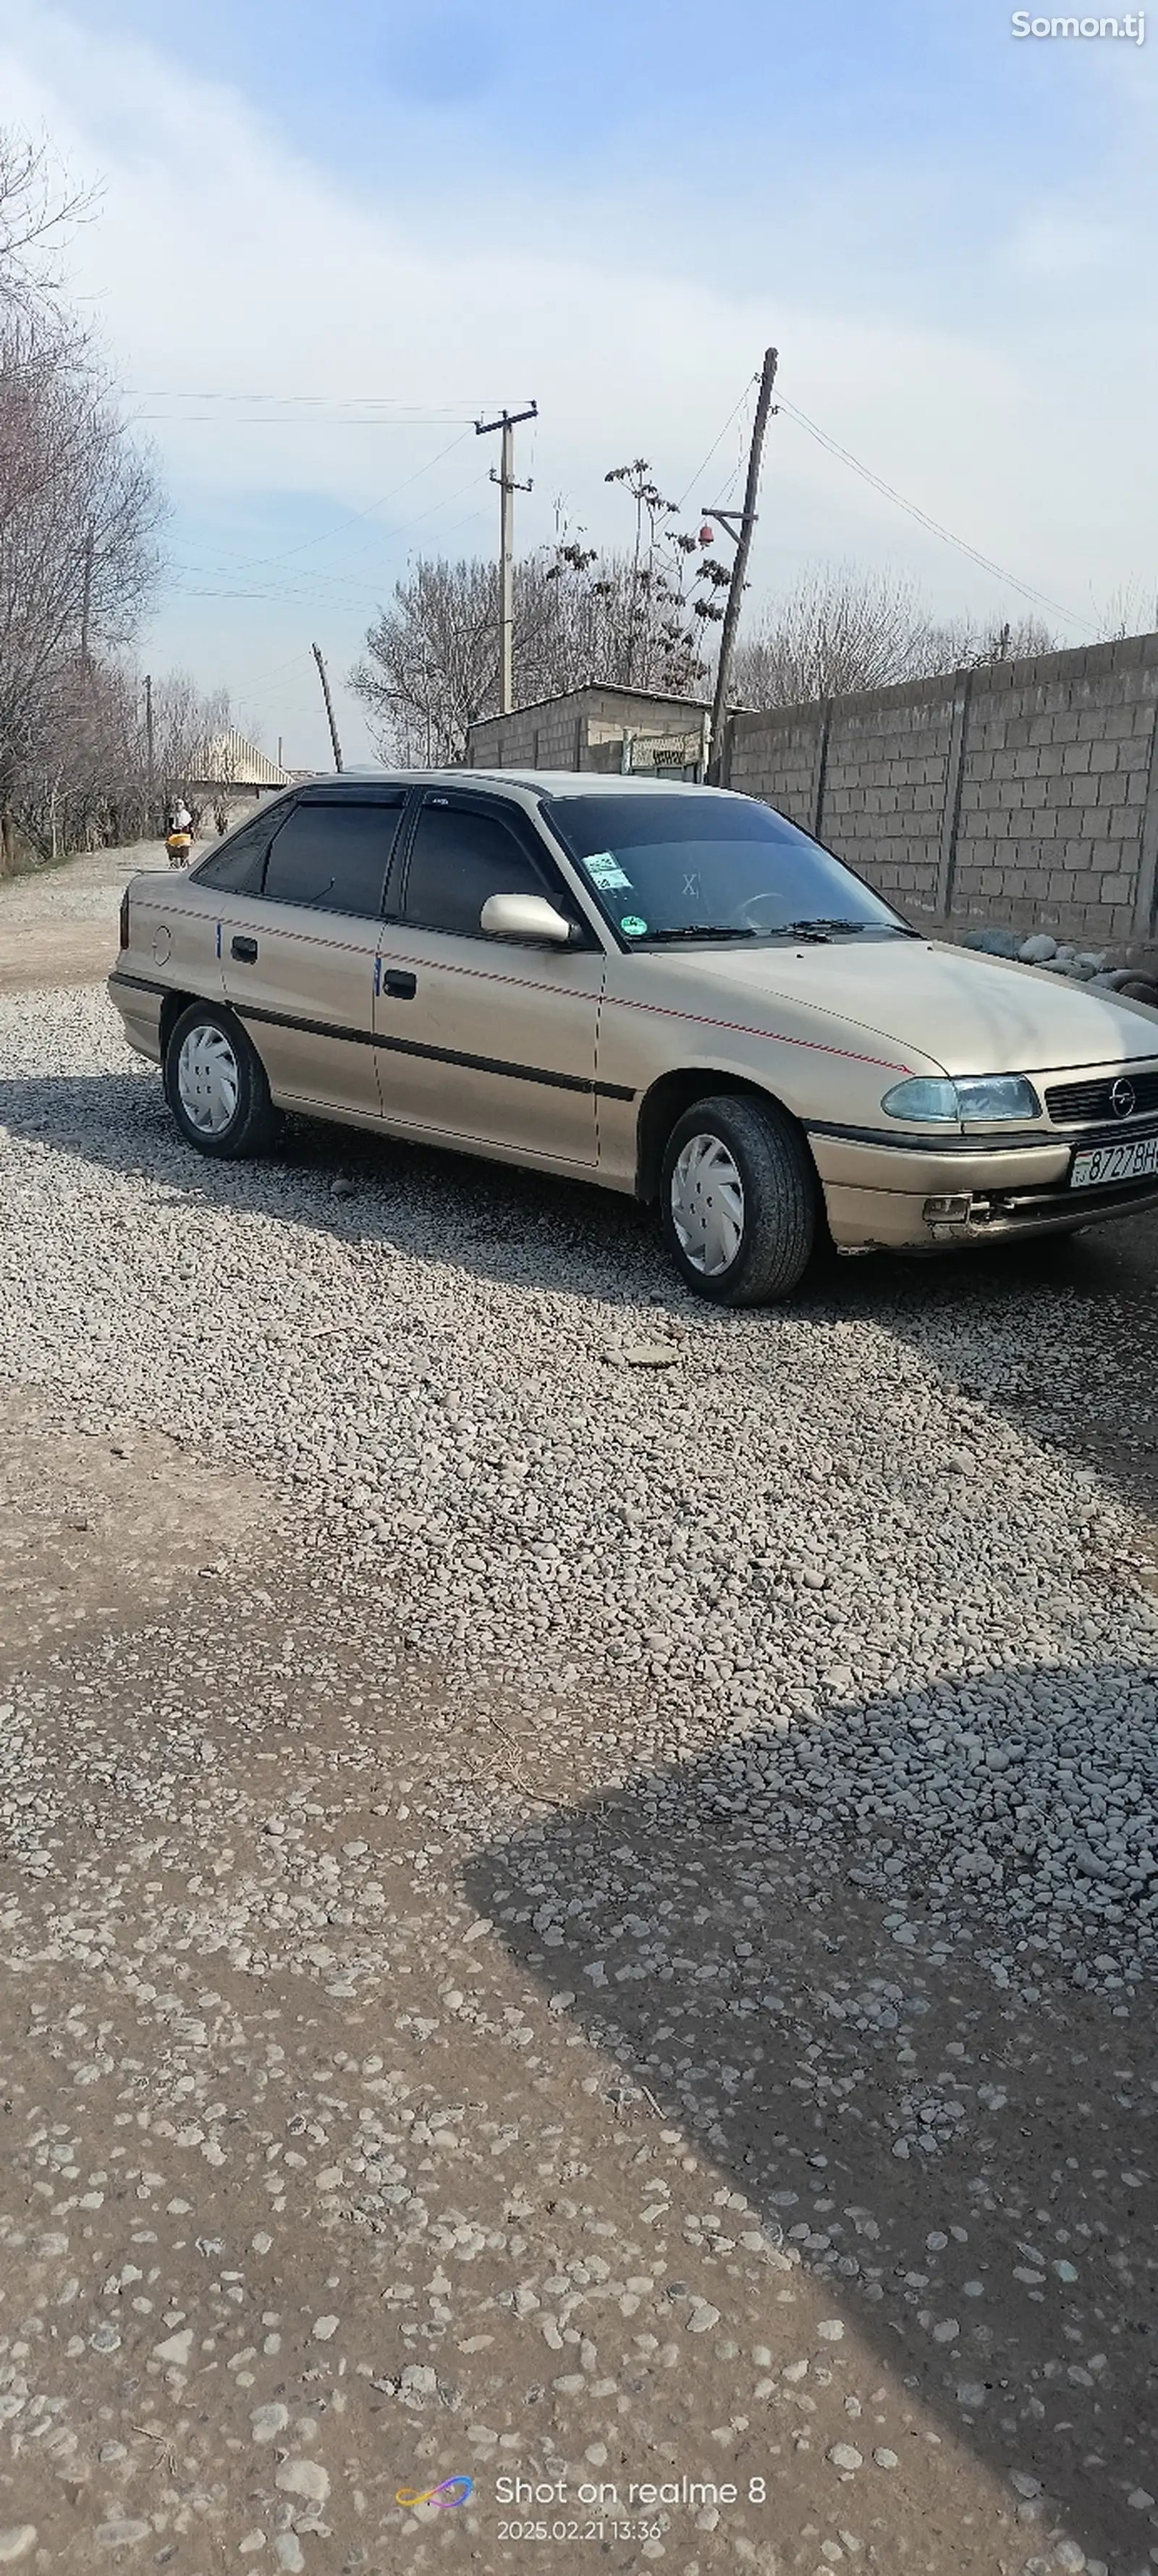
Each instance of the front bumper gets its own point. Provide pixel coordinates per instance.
(924, 1198)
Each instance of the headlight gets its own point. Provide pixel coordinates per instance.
(923, 1101)
(997, 1096)
(988, 1100)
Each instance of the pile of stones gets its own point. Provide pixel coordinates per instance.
(1059, 957)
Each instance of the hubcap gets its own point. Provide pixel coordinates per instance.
(707, 1205)
(208, 1080)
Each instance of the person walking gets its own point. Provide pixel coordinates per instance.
(179, 837)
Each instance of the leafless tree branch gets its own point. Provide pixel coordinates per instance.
(841, 631)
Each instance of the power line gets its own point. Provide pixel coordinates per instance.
(924, 519)
(164, 393)
(284, 597)
(718, 442)
(352, 518)
(274, 671)
(293, 420)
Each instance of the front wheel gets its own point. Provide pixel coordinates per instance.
(215, 1085)
(739, 1201)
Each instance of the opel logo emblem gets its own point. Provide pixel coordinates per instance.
(1123, 1100)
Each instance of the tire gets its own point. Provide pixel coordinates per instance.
(215, 1085)
(742, 1163)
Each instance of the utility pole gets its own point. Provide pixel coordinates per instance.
(86, 610)
(742, 543)
(505, 478)
(149, 740)
(317, 653)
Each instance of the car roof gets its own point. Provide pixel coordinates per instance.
(550, 782)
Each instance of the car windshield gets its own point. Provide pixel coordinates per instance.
(667, 867)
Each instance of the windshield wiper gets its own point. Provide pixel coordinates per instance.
(701, 930)
(819, 927)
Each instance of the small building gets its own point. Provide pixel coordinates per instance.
(619, 731)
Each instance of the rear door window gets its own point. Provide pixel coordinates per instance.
(334, 856)
(237, 866)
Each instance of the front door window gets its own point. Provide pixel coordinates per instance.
(461, 856)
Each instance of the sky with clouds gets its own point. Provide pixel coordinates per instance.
(328, 238)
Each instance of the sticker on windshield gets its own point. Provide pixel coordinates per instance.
(632, 926)
(604, 870)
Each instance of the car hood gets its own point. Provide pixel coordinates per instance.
(945, 1006)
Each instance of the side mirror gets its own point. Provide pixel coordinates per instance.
(525, 916)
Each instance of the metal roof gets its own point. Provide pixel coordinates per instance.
(593, 688)
(231, 761)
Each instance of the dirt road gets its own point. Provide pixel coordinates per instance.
(60, 927)
(579, 1941)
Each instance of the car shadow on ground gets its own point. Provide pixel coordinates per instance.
(871, 2096)
(1082, 1380)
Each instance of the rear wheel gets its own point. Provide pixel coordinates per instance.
(739, 1201)
(215, 1085)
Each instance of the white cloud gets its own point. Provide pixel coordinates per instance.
(1057, 244)
(221, 261)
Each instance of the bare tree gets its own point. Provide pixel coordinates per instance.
(37, 207)
(78, 512)
(652, 597)
(430, 666)
(1018, 639)
(841, 631)
(187, 727)
(430, 663)
(86, 782)
(1132, 609)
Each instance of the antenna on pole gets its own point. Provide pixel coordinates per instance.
(505, 478)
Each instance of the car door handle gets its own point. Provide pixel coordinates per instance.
(401, 988)
(245, 951)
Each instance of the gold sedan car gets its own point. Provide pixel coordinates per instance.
(667, 989)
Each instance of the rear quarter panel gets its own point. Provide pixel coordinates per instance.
(173, 945)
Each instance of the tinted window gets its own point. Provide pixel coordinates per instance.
(238, 864)
(460, 858)
(335, 856)
(671, 865)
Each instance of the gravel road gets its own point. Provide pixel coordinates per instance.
(605, 1931)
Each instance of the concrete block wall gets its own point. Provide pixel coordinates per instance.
(787, 744)
(1056, 779)
(885, 785)
(562, 733)
(1025, 793)
(531, 738)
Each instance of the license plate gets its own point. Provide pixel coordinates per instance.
(1121, 1162)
